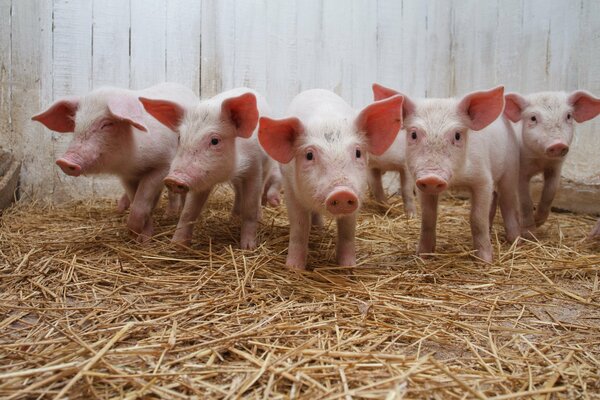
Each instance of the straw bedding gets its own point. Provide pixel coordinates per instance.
(88, 313)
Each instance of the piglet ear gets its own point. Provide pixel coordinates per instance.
(381, 121)
(127, 109)
(381, 92)
(60, 117)
(482, 108)
(277, 137)
(166, 112)
(585, 105)
(514, 106)
(243, 112)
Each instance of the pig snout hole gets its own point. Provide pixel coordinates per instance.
(557, 150)
(68, 167)
(176, 185)
(342, 202)
(431, 184)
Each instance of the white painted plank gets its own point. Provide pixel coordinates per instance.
(390, 57)
(5, 70)
(148, 43)
(414, 48)
(72, 73)
(110, 43)
(251, 44)
(439, 68)
(363, 52)
(308, 39)
(509, 44)
(281, 58)
(226, 12)
(183, 43)
(210, 81)
(31, 58)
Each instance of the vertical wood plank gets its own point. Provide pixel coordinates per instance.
(413, 47)
(282, 63)
(308, 39)
(72, 73)
(31, 58)
(363, 57)
(509, 44)
(438, 69)
(148, 43)
(251, 45)
(110, 43)
(6, 140)
(183, 43)
(210, 64)
(390, 57)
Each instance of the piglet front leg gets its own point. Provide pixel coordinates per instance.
(346, 248)
(551, 182)
(429, 204)
(123, 203)
(194, 202)
(406, 189)
(144, 201)
(299, 232)
(481, 200)
(250, 210)
(527, 219)
(175, 203)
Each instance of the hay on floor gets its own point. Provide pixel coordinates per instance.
(88, 313)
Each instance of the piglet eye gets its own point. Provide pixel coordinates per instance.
(533, 119)
(569, 116)
(358, 153)
(309, 156)
(106, 125)
(413, 135)
(457, 136)
(214, 141)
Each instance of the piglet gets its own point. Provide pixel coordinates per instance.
(114, 135)
(444, 151)
(595, 233)
(218, 144)
(546, 124)
(323, 150)
(394, 159)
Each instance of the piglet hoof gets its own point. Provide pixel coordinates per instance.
(541, 217)
(485, 256)
(248, 243)
(123, 204)
(410, 213)
(295, 263)
(274, 200)
(346, 260)
(528, 233)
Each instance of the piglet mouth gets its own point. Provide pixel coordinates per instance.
(69, 167)
(177, 184)
(342, 201)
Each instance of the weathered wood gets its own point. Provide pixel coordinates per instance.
(9, 178)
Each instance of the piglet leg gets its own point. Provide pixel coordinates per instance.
(146, 197)
(175, 203)
(595, 233)
(406, 189)
(346, 251)
(250, 210)
(429, 204)
(194, 202)
(376, 185)
(551, 182)
(299, 219)
(481, 200)
(527, 220)
(123, 203)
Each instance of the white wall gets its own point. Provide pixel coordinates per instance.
(424, 48)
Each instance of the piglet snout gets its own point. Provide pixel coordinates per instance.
(557, 149)
(342, 201)
(176, 185)
(69, 167)
(431, 184)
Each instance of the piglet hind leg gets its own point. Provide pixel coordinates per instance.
(346, 248)
(527, 220)
(481, 200)
(146, 197)
(429, 204)
(194, 202)
(376, 185)
(509, 207)
(299, 218)
(551, 183)
(123, 203)
(250, 210)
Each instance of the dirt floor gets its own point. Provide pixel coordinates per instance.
(85, 312)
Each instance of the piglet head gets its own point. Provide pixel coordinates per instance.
(437, 132)
(101, 125)
(548, 119)
(331, 158)
(208, 134)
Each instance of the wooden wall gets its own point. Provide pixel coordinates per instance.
(52, 48)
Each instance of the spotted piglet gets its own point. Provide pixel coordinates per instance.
(546, 124)
(218, 144)
(114, 135)
(323, 150)
(463, 143)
